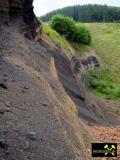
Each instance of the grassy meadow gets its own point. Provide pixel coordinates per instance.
(106, 43)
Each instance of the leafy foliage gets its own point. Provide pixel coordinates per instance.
(88, 13)
(71, 30)
(100, 80)
(82, 34)
(63, 25)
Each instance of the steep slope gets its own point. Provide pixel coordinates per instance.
(44, 104)
(39, 120)
(36, 121)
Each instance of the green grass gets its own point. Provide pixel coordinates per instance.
(55, 36)
(102, 83)
(106, 44)
(80, 49)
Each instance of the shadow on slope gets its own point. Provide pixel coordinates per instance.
(90, 108)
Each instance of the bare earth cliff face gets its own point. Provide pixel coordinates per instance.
(22, 11)
(44, 104)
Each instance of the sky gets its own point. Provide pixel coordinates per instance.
(42, 7)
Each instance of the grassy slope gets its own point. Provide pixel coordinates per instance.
(55, 36)
(106, 43)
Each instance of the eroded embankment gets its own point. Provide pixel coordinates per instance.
(39, 120)
(44, 103)
(71, 73)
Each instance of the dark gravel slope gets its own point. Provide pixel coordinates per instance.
(38, 120)
(44, 106)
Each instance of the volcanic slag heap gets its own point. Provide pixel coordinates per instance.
(45, 106)
(14, 10)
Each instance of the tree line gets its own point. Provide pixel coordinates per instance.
(87, 13)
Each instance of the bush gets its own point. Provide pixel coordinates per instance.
(82, 34)
(63, 25)
(66, 26)
(102, 84)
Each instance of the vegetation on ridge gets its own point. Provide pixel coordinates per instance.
(88, 13)
(106, 44)
(55, 36)
(72, 31)
(100, 80)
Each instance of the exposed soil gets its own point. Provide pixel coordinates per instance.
(45, 107)
(38, 120)
(102, 134)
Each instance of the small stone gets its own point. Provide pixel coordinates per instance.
(44, 104)
(4, 109)
(26, 146)
(25, 87)
(4, 80)
(31, 136)
(5, 131)
(7, 109)
(7, 152)
(3, 86)
(23, 91)
(3, 144)
(7, 104)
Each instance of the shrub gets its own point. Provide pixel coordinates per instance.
(102, 84)
(82, 34)
(66, 26)
(63, 25)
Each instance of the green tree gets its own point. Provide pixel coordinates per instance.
(88, 13)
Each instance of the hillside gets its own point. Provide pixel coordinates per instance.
(87, 13)
(106, 42)
(105, 45)
(46, 110)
